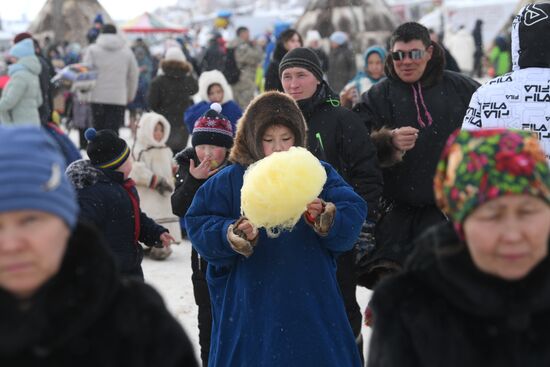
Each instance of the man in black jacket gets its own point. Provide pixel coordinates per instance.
(410, 115)
(337, 136)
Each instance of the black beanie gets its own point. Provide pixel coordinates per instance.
(106, 149)
(302, 57)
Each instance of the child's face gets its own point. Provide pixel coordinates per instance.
(375, 66)
(277, 138)
(158, 134)
(213, 153)
(215, 93)
(126, 167)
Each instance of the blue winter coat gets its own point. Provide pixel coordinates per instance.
(230, 109)
(105, 203)
(282, 305)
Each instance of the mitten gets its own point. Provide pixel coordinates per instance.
(238, 241)
(366, 242)
(323, 222)
(163, 186)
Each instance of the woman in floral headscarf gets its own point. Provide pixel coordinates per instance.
(476, 291)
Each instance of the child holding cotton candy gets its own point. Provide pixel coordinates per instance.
(272, 280)
(211, 140)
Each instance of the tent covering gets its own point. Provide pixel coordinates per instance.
(149, 23)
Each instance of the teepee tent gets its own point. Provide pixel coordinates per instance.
(149, 23)
(67, 20)
(367, 22)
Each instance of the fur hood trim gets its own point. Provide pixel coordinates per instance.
(267, 109)
(83, 174)
(146, 129)
(175, 68)
(388, 155)
(208, 78)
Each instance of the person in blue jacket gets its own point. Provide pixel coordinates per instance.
(275, 301)
(213, 88)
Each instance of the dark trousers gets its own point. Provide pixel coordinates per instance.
(108, 116)
(396, 232)
(347, 281)
(202, 299)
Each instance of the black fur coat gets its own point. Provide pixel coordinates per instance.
(87, 316)
(442, 311)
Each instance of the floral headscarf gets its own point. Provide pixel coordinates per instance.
(482, 165)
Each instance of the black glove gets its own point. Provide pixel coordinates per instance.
(163, 186)
(366, 242)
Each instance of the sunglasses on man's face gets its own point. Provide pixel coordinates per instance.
(413, 55)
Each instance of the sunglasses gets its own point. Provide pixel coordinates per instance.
(413, 55)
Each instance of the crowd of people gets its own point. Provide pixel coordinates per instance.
(437, 197)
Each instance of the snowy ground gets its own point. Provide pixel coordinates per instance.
(172, 279)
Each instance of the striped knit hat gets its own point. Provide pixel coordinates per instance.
(106, 149)
(213, 128)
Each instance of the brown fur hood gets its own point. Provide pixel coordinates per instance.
(175, 68)
(434, 70)
(267, 109)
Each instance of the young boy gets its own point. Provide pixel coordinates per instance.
(109, 199)
(212, 138)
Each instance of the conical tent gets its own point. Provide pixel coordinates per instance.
(367, 22)
(67, 20)
(149, 23)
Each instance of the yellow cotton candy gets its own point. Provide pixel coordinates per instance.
(277, 189)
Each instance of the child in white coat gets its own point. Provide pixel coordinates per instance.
(153, 173)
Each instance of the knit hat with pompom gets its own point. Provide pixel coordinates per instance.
(213, 128)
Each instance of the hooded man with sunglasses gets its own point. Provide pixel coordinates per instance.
(410, 116)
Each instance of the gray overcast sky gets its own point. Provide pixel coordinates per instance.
(118, 9)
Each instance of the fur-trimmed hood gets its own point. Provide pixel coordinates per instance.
(530, 48)
(174, 68)
(82, 174)
(267, 109)
(146, 128)
(208, 78)
(434, 70)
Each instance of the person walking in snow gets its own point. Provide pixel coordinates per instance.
(287, 41)
(213, 88)
(62, 300)
(248, 57)
(336, 135)
(275, 301)
(211, 140)
(152, 171)
(22, 96)
(117, 79)
(521, 99)
(341, 60)
(476, 290)
(372, 73)
(108, 198)
(171, 94)
(410, 115)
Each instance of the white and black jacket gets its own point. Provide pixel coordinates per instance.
(521, 98)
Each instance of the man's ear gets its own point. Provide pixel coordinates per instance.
(430, 51)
